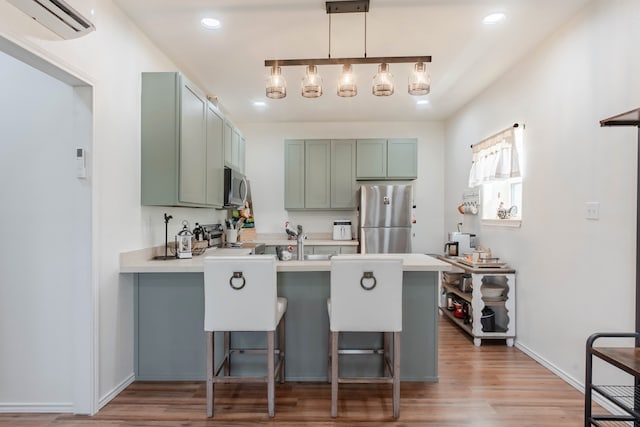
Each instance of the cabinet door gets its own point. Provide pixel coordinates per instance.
(343, 173)
(402, 158)
(192, 147)
(228, 133)
(215, 161)
(317, 192)
(294, 174)
(242, 154)
(235, 149)
(371, 160)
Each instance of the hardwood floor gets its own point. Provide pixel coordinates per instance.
(488, 386)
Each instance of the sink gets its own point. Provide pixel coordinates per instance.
(317, 257)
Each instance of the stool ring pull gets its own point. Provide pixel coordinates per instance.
(368, 275)
(237, 275)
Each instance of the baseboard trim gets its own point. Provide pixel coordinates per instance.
(606, 404)
(116, 391)
(37, 407)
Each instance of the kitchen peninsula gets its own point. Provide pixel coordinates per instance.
(169, 317)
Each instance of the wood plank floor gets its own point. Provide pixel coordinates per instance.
(488, 386)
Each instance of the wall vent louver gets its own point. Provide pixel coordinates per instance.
(57, 16)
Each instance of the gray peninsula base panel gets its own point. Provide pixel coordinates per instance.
(170, 340)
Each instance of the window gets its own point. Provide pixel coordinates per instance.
(497, 169)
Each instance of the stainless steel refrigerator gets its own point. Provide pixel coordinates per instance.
(384, 221)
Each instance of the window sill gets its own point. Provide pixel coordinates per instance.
(507, 223)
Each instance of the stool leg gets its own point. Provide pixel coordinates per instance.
(281, 345)
(334, 374)
(210, 364)
(227, 353)
(396, 374)
(270, 372)
(329, 358)
(385, 352)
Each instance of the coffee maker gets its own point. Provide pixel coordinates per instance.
(467, 242)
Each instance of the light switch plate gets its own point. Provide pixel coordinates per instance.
(592, 210)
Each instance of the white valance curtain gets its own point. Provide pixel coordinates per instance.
(495, 158)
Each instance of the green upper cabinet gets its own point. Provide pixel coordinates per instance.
(317, 174)
(178, 142)
(320, 174)
(234, 147)
(343, 174)
(371, 160)
(294, 174)
(382, 159)
(215, 161)
(402, 158)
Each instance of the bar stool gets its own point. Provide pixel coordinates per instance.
(240, 294)
(366, 296)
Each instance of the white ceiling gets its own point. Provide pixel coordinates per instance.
(229, 63)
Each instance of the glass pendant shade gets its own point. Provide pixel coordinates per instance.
(382, 81)
(347, 84)
(312, 83)
(276, 85)
(419, 80)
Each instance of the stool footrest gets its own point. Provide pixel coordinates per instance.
(365, 380)
(360, 351)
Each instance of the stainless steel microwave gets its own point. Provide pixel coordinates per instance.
(235, 188)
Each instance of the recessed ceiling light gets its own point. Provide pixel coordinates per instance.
(210, 23)
(494, 18)
(422, 102)
(259, 104)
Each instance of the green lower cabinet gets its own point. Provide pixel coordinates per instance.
(387, 159)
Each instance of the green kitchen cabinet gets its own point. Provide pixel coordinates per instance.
(294, 174)
(387, 159)
(402, 158)
(215, 161)
(180, 134)
(320, 174)
(343, 174)
(317, 174)
(234, 147)
(371, 160)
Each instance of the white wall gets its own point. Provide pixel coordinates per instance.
(265, 170)
(111, 59)
(574, 276)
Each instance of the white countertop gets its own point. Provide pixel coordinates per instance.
(141, 261)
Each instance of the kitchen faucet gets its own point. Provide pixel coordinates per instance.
(299, 235)
(300, 239)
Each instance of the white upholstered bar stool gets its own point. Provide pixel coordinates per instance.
(366, 296)
(240, 294)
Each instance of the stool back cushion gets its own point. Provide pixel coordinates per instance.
(366, 293)
(246, 302)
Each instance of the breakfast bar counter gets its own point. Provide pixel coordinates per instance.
(169, 318)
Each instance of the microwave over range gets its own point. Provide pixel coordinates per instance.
(235, 188)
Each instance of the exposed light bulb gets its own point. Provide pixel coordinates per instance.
(382, 81)
(419, 80)
(347, 84)
(312, 83)
(276, 85)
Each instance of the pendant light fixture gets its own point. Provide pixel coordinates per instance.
(382, 81)
(347, 86)
(276, 85)
(419, 80)
(312, 83)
